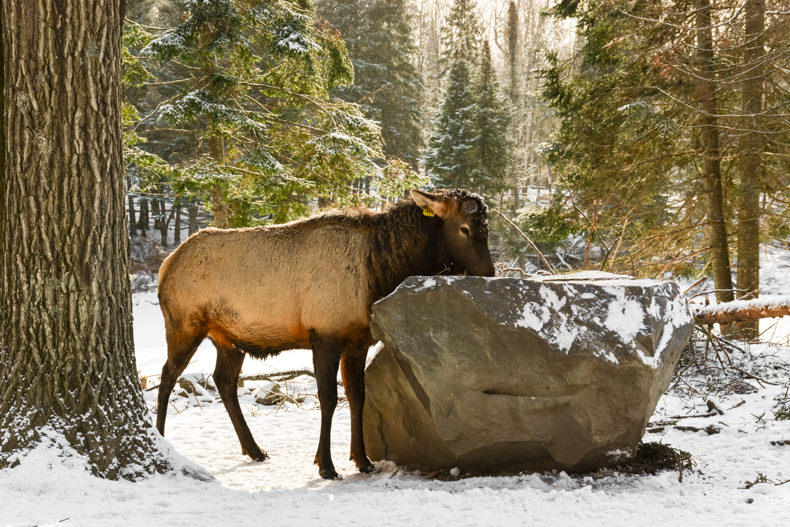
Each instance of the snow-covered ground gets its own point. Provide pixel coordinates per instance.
(286, 490)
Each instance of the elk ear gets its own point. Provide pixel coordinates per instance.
(430, 203)
(469, 206)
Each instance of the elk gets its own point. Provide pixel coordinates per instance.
(309, 283)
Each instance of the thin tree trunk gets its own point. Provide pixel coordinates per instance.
(217, 193)
(143, 224)
(193, 223)
(164, 226)
(66, 350)
(177, 225)
(132, 220)
(751, 147)
(156, 213)
(711, 164)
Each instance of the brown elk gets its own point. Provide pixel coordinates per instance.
(309, 283)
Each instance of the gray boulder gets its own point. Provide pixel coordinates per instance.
(498, 375)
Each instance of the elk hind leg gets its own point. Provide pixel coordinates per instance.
(180, 348)
(352, 366)
(226, 377)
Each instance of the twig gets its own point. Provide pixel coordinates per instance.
(534, 247)
(698, 282)
(709, 414)
(194, 394)
(516, 269)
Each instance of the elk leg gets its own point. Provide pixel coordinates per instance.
(352, 366)
(326, 359)
(226, 377)
(179, 351)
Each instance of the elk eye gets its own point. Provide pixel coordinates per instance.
(465, 231)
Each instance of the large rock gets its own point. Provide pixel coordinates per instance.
(506, 374)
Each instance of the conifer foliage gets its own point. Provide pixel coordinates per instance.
(469, 146)
(492, 148)
(669, 112)
(450, 158)
(387, 85)
(241, 109)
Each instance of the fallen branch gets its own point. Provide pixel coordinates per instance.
(276, 376)
(743, 310)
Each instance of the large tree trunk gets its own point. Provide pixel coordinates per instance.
(66, 353)
(711, 165)
(751, 147)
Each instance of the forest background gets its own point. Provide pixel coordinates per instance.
(649, 138)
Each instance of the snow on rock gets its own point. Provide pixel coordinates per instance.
(492, 374)
(563, 307)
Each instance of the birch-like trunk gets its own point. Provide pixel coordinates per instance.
(66, 352)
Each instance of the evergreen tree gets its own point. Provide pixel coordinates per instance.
(665, 111)
(492, 148)
(378, 35)
(240, 96)
(462, 32)
(451, 158)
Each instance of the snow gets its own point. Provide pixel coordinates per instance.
(624, 316)
(50, 487)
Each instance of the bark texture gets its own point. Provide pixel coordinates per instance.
(711, 166)
(66, 351)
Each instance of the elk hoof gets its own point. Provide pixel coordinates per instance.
(257, 454)
(328, 473)
(366, 468)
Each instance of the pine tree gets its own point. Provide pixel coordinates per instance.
(451, 158)
(462, 32)
(665, 112)
(241, 99)
(492, 148)
(378, 36)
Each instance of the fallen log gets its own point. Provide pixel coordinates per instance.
(742, 310)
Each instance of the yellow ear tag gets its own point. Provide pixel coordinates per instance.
(428, 212)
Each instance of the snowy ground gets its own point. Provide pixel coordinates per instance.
(286, 490)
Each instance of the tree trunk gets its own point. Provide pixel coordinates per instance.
(193, 223)
(66, 351)
(751, 147)
(177, 225)
(156, 213)
(143, 224)
(711, 164)
(132, 220)
(217, 193)
(164, 222)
